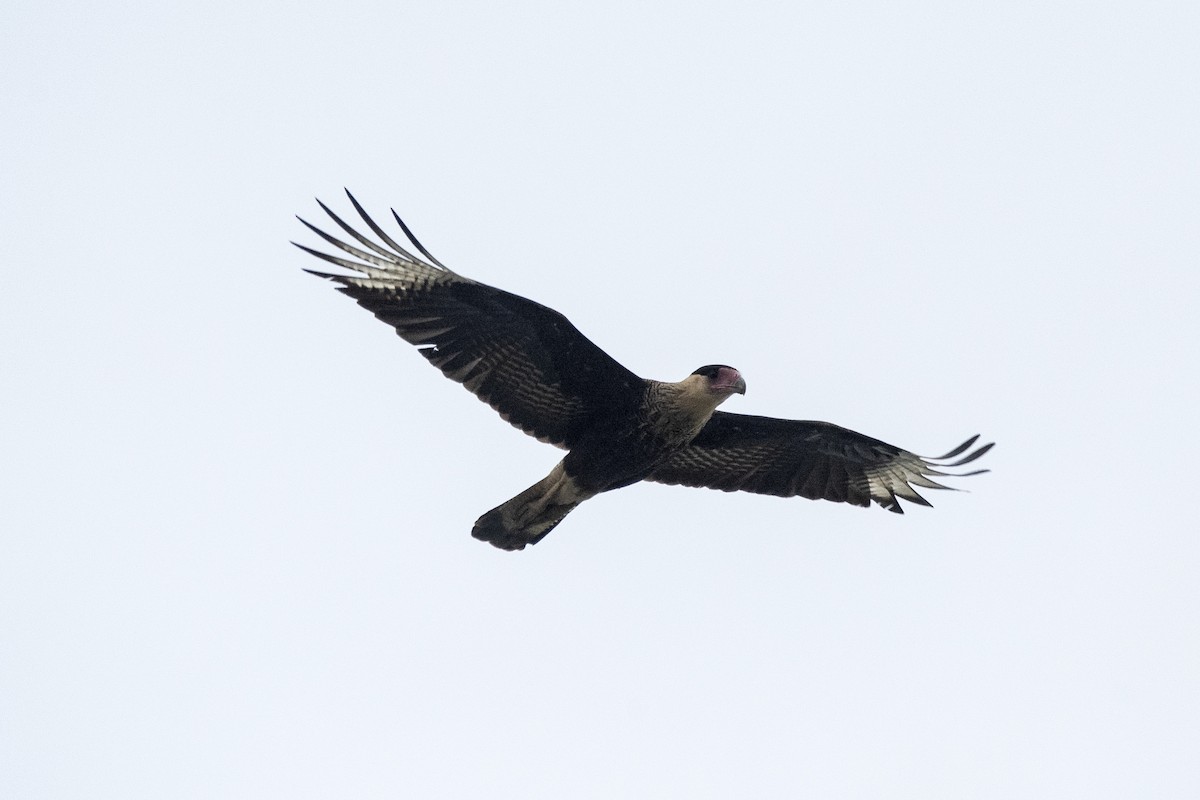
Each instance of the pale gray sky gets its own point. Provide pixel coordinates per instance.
(235, 557)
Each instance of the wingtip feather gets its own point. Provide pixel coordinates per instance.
(958, 450)
(416, 243)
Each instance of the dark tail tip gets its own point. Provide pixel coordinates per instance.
(495, 530)
(490, 528)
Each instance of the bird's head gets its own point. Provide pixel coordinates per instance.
(722, 380)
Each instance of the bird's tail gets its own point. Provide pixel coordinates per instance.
(528, 517)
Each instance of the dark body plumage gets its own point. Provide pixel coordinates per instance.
(533, 366)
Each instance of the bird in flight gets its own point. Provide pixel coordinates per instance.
(542, 375)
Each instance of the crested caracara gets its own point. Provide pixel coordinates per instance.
(542, 375)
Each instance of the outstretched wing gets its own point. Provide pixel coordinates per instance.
(523, 359)
(817, 460)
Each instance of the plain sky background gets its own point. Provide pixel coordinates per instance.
(235, 558)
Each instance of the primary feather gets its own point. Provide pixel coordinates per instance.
(533, 366)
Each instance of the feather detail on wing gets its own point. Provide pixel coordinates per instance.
(817, 460)
(523, 359)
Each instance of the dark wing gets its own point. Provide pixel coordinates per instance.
(523, 359)
(817, 460)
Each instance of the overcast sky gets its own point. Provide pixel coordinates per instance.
(235, 558)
